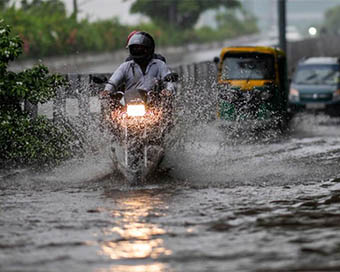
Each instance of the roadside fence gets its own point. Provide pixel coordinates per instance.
(194, 97)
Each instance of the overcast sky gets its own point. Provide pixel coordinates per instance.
(104, 9)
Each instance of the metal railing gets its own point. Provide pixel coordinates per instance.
(194, 86)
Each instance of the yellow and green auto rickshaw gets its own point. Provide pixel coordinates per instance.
(252, 84)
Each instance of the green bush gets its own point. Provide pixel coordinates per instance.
(31, 142)
(52, 34)
(25, 140)
(47, 33)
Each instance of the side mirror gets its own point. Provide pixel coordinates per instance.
(99, 79)
(216, 60)
(172, 77)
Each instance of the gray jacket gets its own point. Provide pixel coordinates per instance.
(131, 74)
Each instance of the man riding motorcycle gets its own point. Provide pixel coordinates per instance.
(142, 71)
(138, 134)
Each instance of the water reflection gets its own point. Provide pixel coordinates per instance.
(156, 267)
(138, 237)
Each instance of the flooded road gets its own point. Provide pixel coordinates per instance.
(246, 203)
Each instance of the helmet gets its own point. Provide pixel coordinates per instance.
(129, 37)
(141, 46)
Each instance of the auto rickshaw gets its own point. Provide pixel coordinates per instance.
(252, 84)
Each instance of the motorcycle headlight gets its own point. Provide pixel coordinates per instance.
(293, 94)
(135, 110)
(336, 95)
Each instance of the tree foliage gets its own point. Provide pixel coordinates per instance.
(332, 20)
(41, 7)
(35, 85)
(229, 21)
(229, 25)
(4, 3)
(179, 13)
(24, 140)
(47, 30)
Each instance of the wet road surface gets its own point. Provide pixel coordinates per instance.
(268, 203)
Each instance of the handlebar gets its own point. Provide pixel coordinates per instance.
(117, 95)
(108, 95)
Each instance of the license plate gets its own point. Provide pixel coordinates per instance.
(316, 106)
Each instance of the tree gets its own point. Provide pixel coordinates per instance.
(234, 23)
(75, 9)
(332, 21)
(182, 14)
(23, 139)
(4, 3)
(48, 6)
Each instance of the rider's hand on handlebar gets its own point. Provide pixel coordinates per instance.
(166, 92)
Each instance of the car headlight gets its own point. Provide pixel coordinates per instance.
(135, 110)
(293, 94)
(336, 95)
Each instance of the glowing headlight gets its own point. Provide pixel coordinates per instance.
(336, 95)
(294, 94)
(136, 110)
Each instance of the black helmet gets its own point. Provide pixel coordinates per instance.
(141, 46)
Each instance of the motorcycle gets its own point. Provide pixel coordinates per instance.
(139, 120)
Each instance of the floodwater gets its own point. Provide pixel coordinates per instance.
(225, 201)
